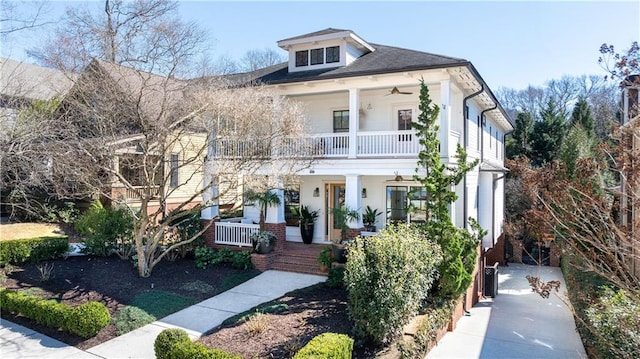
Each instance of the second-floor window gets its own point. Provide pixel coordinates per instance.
(319, 56)
(175, 166)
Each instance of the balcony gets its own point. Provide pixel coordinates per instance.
(326, 145)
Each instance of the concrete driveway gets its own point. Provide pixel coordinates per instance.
(517, 323)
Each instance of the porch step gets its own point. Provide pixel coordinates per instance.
(299, 257)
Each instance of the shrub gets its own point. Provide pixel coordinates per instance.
(107, 230)
(18, 251)
(186, 224)
(335, 278)
(617, 318)
(85, 320)
(387, 278)
(167, 339)
(175, 344)
(327, 346)
(206, 256)
(88, 318)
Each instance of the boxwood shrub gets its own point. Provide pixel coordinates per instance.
(388, 276)
(18, 251)
(85, 320)
(327, 346)
(175, 344)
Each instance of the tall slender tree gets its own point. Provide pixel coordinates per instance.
(581, 115)
(547, 135)
(459, 245)
(519, 144)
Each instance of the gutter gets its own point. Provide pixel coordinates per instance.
(465, 212)
(482, 123)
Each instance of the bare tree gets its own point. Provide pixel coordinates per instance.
(146, 35)
(257, 59)
(21, 15)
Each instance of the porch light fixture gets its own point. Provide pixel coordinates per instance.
(398, 177)
(316, 192)
(364, 193)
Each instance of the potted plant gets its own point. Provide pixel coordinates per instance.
(263, 200)
(263, 241)
(369, 219)
(342, 215)
(307, 221)
(324, 259)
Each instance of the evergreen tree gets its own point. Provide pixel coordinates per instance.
(547, 135)
(582, 116)
(459, 246)
(519, 144)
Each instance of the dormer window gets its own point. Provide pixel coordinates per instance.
(317, 56)
(333, 54)
(302, 58)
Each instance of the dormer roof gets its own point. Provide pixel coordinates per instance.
(324, 35)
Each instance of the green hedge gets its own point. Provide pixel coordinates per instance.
(327, 346)
(85, 320)
(175, 344)
(19, 251)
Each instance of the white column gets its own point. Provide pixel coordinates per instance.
(353, 197)
(275, 214)
(210, 198)
(445, 117)
(354, 116)
(210, 195)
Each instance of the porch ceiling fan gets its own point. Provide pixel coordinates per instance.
(395, 91)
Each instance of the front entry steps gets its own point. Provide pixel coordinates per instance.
(299, 257)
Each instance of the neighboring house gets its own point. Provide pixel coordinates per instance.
(361, 99)
(630, 184)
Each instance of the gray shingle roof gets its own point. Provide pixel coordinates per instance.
(33, 82)
(385, 59)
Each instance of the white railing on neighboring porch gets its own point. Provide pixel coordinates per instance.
(235, 234)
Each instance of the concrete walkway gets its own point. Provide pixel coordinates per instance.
(19, 342)
(517, 323)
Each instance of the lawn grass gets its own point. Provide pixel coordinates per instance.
(147, 308)
(28, 230)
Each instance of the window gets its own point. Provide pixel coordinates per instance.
(173, 182)
(302, 58)
(317, 56)
(333, 54)
(404, 123)
(341, 121)
(292, 204)
(406, 204)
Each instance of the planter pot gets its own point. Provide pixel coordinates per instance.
(339, 252)
(370, 228)
(264, 248)
(306, 231)
(324, 268)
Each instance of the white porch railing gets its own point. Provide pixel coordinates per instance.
(334, 145)
(235, 234)
(387, 143)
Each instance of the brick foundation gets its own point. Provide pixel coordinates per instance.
(263, 262)
(280, 230)
(496, 254)
(210, 233)
(354, 232)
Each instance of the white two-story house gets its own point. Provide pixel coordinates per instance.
(360, 101)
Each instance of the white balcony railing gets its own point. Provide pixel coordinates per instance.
(327, 145)
(235, 234)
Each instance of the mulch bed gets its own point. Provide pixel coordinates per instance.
(113, 282)
(310, 312)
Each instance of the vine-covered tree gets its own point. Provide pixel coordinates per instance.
(459, 245)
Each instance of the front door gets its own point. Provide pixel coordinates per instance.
(334, 198)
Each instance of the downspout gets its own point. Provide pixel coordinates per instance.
(465, 210)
